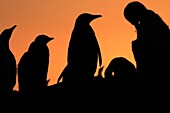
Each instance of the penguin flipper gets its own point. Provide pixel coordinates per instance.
(63, 74)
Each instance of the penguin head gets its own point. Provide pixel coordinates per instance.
(43, 39)
(86, 18)
(121, 63)
(122, 67)
(134, 11)
(6, 34)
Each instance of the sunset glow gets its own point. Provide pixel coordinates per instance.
(56, 18)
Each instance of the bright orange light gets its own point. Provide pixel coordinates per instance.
(56, 19)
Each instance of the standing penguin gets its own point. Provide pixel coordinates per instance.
(83, 51)
(33, 66)
(7, 63)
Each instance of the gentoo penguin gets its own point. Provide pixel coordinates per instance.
(7, 63)
(33, 66)
(83, 51)
(123, 69)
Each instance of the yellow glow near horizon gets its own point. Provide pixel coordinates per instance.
(56, 19)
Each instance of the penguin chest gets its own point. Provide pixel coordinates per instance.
(84, 49)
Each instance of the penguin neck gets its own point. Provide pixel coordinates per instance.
(34, 46)
(6, 44)
(81, 25)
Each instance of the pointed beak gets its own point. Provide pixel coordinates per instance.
(13, 27)
(51, 38)
(96, 16)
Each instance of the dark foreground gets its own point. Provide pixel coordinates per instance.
(93, 96)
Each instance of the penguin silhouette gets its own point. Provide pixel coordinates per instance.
(83, 50)
(7, 63)
(33, 66)
(151, 46)
(123, 70)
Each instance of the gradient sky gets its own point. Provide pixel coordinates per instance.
(56, 18)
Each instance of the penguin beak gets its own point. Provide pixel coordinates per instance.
(96, 16)
(12, 28)
(51, 38)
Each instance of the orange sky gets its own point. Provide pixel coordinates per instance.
(56, 18)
